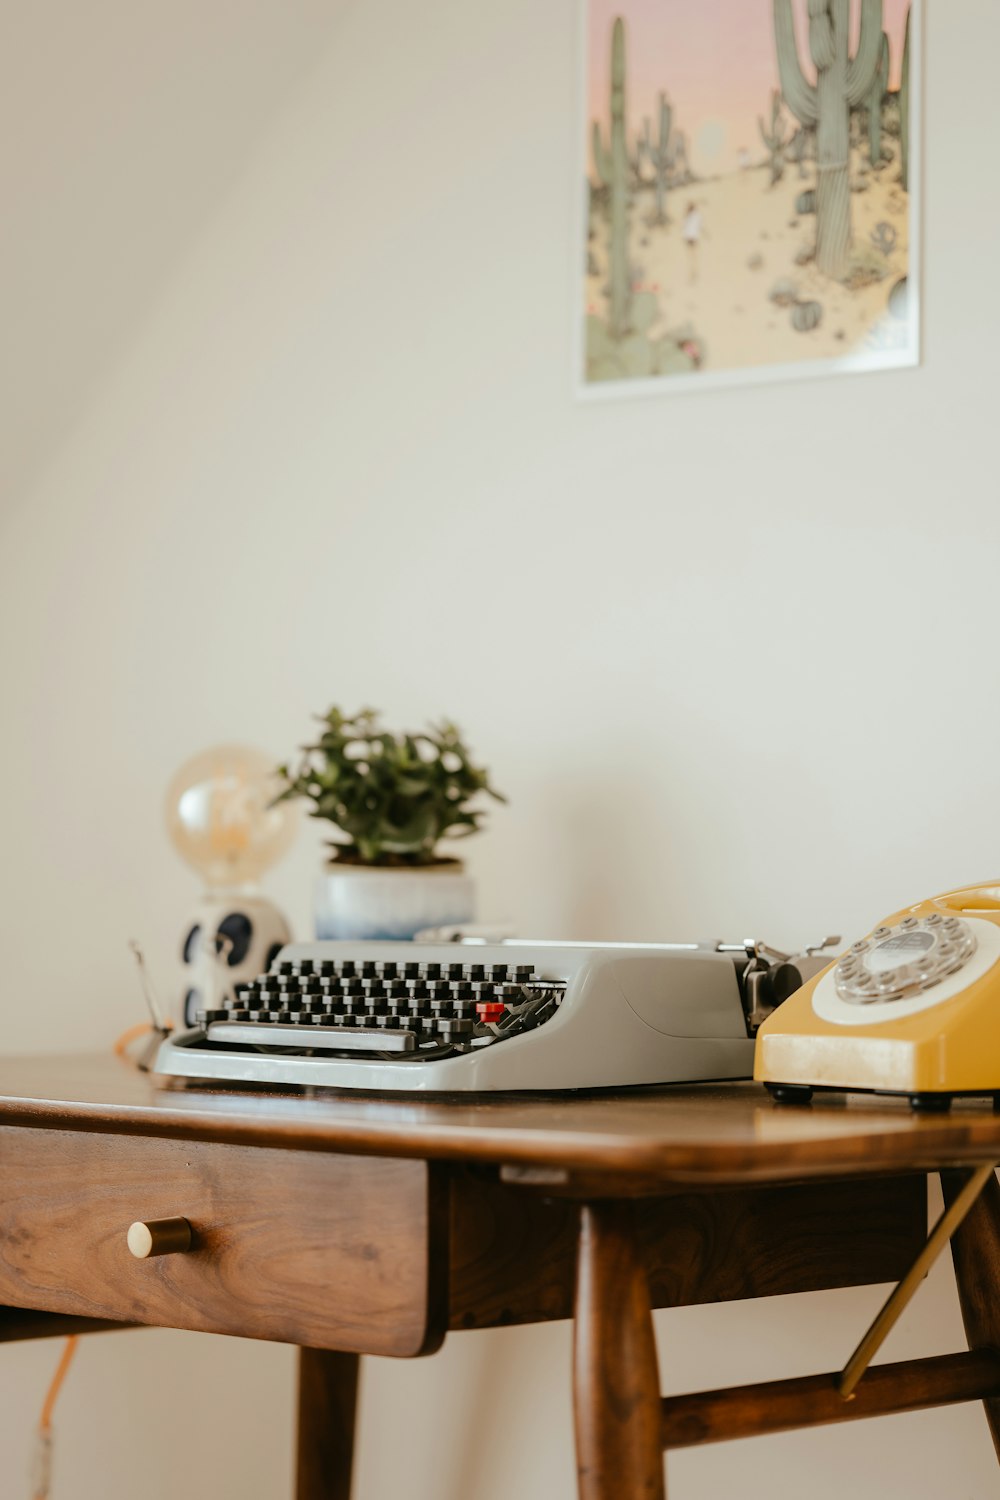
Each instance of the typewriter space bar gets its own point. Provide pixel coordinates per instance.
(343, 1038)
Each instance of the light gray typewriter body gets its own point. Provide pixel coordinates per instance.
(439, 1018)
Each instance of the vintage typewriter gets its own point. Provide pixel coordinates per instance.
(510, 1016)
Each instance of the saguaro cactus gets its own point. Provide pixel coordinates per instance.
(637, 156)
(904, 109)
(612, 169)
(875, 104)
(842, 83)
(775, 139)
(661, 156)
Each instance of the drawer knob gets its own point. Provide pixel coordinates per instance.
(159, 1237)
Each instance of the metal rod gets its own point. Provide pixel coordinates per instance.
(901, 1295)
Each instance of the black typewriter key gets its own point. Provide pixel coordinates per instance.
(346, 968)
(354, 987)
(326, 968)
(286, 967)
(312, 985)
(432, 971)
(253, 1003)
(396, 989)
(456, 971)
(498, 973)
(411, 970)
(368, 969)
(206, 1017)
(388, 969)
(477, 972)
(462, 991)
(522, 973)
(285, 1015)
(305, 966)
(241, 1014)
(453, 1030)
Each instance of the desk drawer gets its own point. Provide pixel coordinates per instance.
(334, 1252)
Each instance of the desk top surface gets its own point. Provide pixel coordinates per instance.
(685, 1134)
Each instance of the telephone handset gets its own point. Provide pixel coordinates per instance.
(911, 1009)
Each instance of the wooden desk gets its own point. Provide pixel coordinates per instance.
(351, 1225)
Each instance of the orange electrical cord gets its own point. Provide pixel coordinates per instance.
(62, 1369)
(124, 1042)
(45, 1421)
(132, 1034)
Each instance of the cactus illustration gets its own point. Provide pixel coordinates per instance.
(612, 168)
(883, 237)
(842, 83)
(661, 157)
(875, 105)
(637, 156)
(775, 139)
(682, 166)
(904, 109)
(806, 316)
(797, 150)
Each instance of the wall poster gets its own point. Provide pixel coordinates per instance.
(752, 173)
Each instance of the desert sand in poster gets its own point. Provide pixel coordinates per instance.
(751, 174)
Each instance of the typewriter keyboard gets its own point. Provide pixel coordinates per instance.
(403, 1009)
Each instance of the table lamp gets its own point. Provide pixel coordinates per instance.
(223, 822)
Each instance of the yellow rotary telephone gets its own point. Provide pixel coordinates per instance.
(911, 1009)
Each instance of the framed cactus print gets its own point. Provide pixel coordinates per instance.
(750, 206)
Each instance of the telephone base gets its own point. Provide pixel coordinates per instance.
(801, 1094)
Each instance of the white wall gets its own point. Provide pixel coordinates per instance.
(313, 440)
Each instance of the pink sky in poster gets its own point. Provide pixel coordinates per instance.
(715, 60)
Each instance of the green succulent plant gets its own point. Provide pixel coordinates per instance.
(392, 796)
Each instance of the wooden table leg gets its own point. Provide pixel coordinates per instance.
(328, 1395)
(616, 1382)
(975, 1250)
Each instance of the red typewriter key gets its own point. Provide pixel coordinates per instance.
(490, 1010)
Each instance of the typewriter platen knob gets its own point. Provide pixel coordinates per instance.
(159, 1237)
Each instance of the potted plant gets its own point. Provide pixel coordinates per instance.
(392, 797)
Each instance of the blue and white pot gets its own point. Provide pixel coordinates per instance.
(359, 902)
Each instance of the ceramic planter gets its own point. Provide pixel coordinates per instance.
(359, 902)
